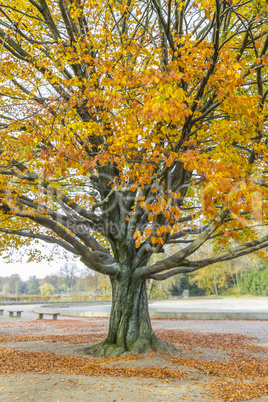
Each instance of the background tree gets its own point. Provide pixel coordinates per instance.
(47, 289)
(12, 282)
(68, 273)
(33, 285)
(21, 287)
(6, 289)
(95, 282)
(130, 125)
(214, 279)
(255, 281)
(55, 281)
(183, 282)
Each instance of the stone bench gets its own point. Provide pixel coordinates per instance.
(18, 313)
(54, 316)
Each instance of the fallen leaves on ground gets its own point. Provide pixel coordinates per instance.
(250, 368)
(238, 391)
(238, 366)
(17, 361)
(71, 338)
(213, 341)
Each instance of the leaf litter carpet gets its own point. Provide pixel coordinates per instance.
(225, 366)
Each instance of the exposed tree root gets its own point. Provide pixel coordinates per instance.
(142, 345)
(161, 346)
(105, 349)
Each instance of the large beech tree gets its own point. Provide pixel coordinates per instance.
(128, 126)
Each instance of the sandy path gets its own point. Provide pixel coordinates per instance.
(57, 387)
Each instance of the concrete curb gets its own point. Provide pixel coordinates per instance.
(203, 315)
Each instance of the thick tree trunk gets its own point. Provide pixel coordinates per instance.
(130, 329)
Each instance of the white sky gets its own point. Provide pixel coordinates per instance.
(40, 270)
(24, 269)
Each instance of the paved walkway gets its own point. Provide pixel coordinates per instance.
(214, 309)
(54, 387)
(258, 329)
(28, 312)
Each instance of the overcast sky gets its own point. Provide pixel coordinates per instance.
(40, 270)
(24, 269)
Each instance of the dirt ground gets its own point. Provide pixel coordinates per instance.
(43, 360)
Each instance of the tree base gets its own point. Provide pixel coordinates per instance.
(142, 345)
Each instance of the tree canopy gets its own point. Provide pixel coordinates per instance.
(128, 126)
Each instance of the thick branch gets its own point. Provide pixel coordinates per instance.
(235, 252)
(177, 258)
(48, 239)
